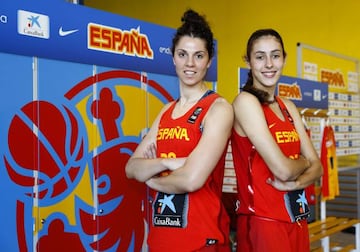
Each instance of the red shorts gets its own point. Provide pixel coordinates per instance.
(257, 234)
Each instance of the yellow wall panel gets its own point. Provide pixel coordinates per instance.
(326, 24)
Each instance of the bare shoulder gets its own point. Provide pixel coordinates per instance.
(221, 105)
(220, 109)
(221, 101)
(245, 100)
(245, 97)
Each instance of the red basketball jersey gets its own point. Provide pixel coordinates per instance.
(255, 195)
(190, 221)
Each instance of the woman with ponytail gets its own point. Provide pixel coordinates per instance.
(182, 157)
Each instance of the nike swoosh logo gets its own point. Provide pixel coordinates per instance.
(271, 125)
(63, 33)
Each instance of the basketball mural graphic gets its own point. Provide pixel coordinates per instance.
(69, 158)
(44, 139)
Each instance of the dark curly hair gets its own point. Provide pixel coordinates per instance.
(262, 96)
(196, 26)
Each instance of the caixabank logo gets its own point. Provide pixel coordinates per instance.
(68, 159)
(33, 24)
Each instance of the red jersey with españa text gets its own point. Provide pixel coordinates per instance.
(189, 221)
(255, 195)
(330, 180)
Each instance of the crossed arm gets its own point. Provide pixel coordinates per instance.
(190, 173)
(289, 174)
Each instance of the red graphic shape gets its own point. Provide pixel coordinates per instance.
(115, 74)
(59, 240)
(57, 148)
(128, 218)
(20, 226)
(107, 111)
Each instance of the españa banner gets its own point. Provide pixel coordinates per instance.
(304, 93)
